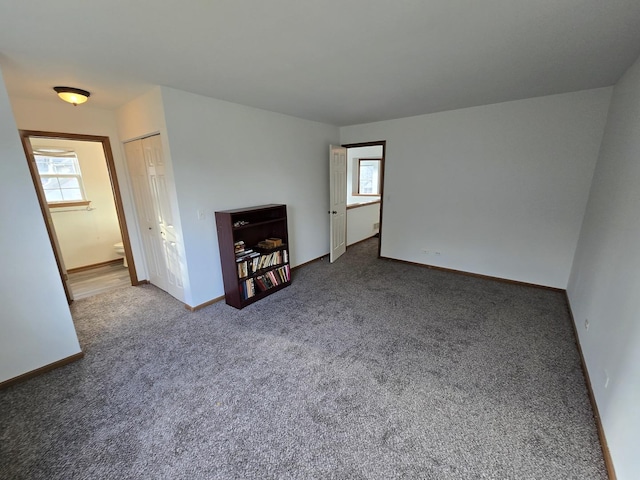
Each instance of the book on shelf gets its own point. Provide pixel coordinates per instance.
(270, 243)
(244, 253)
(260, 284)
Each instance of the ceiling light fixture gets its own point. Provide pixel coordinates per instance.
(72, 95)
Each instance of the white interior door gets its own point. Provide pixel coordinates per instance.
(156, 173)
(338, 201)
(149, 227)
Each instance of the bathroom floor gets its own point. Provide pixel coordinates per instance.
(97, 280)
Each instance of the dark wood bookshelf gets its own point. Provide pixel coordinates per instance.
(251, 226)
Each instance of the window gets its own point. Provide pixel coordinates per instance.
(369, 176)
(61, 178)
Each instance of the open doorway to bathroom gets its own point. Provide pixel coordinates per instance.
(76, 184)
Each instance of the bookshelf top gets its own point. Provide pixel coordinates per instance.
(254, 209)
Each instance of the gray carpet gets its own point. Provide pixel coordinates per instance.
(365, 369)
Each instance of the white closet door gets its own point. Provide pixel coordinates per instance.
(150, 225)
(154, 160)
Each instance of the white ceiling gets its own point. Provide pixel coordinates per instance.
(337, 61)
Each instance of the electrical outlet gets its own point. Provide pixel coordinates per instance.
(586, 324)
(425, 251)
(201, 215)
(438, 254)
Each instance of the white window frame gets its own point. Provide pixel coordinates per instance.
(375, 180)
(52, 153)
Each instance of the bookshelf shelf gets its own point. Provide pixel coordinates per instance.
(250, 272)
(252, 225)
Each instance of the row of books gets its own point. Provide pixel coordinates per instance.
(249, 262)
(261, 283)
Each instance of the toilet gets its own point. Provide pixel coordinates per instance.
(119, 248)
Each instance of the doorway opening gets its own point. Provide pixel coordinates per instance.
(365, 191)
(77, 187)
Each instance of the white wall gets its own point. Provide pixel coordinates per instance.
(498, 190)
(353, 155)
(86, 236)
(360, 222)
(35, 323)
(605, 280)
(226, 156)
(142, 116)
(57, 116)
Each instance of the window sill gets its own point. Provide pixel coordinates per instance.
(362, 204)
(81, 203)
